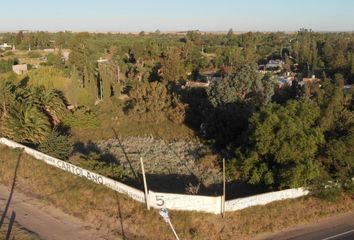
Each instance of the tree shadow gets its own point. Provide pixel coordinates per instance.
(126, 157)
(3, 216)
(176, 183)
(24, 82)
(88, 148)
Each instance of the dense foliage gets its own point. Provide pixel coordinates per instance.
(276, 135)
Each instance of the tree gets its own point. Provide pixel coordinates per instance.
(172, 67)
(230, 32)
(106, 85)
(283, 144)
(50, 102)
(153, 102)
(337, 122)
(27, 124)
(232, 101)
(246, 84)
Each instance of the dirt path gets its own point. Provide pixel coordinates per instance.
(46, 221)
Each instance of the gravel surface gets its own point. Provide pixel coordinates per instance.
(174, 164)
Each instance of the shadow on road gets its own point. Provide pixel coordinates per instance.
(120, 215)
(9, 229)
(3, 216)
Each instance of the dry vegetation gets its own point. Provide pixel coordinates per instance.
(120, 215)
(17, 233)
(111, 116)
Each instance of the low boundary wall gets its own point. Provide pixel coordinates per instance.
(164, 200)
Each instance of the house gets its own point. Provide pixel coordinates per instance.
(65, 54)
(191, 84)
(20, 69)
(5, 46)
(43, 59)
(49, 50)
(348, 88)
(209, 76)
(274, 64)
(311, 80)
(102, 60)
(285, 81)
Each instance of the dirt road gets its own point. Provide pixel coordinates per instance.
(46, 221)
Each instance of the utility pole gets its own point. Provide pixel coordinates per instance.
(145, 184)
(223, 187)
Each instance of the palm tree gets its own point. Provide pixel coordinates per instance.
(50, 102)
(26, 123)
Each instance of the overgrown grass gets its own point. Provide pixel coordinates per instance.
(109, 210)
(111, 116)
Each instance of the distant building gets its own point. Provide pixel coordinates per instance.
(209, 76)
(349, 88)
(65, 53)
(20, 69)
(310, 80)
(272, 64)
(191, 84)
(5, 46)
(285, 81)
(102, 60)
(50, 50)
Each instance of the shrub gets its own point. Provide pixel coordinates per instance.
(34, 54)
(81, 118)
(153, 102)
(6, 65)
(326, 190)
(56, 145)
(96, 162)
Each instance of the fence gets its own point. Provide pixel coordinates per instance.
(164, 200)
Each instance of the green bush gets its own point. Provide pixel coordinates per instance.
(6, 65)
(56, 145)
(81, 118)
(34, 54)
(326, 190)
(8, 53)
(349, 186)
(96, 162)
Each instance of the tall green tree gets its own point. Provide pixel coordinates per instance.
(283, 144)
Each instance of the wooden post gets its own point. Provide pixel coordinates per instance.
(118, 71)
(145, 184)
(224, 187)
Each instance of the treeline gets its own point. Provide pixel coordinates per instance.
(279, 138)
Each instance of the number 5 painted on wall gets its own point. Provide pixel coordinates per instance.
(159, 200)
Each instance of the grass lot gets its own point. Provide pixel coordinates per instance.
(111, 116)
(115, 212)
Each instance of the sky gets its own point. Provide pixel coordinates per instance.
(176, 15)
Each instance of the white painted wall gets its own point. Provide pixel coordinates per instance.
(117, 186)
(262, 199)
(185, 202)
(165, 200)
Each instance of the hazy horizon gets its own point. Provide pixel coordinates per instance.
(182, 15)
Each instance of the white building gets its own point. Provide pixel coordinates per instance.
(20, 69)
(5, 46)
(274, 64)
